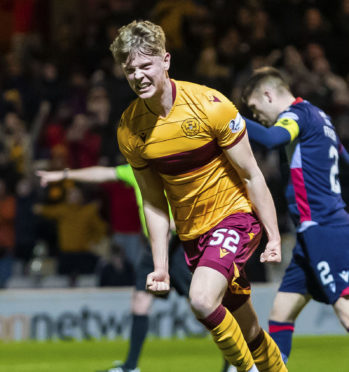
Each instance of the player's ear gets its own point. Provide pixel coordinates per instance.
(268, 96)
(167, 61)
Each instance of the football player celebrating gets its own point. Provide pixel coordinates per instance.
(190, 141)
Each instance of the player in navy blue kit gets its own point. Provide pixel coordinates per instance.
(319, 268)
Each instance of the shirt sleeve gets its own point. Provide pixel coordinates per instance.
(270, 138)
(226, 123)
(124, 173)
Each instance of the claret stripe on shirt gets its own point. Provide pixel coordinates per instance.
(187, 161)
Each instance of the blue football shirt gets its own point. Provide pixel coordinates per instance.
(313, 192)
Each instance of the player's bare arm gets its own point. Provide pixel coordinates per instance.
(242, 159)
(157, 217)
(97, 174)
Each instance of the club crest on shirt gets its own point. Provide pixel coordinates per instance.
(236, 124)
(191, 127)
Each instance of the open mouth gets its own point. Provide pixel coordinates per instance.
(142, 87)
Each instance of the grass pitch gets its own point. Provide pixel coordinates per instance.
(309, 354)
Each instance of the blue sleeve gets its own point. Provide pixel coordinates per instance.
(270, 138)
(343, 153)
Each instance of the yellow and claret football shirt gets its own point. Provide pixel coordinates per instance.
(186, 149)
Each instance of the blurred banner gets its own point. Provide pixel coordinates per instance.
(105, 313)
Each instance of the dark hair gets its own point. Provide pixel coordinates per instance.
(261, 76)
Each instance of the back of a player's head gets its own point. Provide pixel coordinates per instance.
(138, 37)
(264, 77)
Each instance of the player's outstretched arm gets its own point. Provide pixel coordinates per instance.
(270, 138)
(95, 174)
(242, 159)
(156, 213)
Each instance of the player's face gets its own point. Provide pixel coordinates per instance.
(263, 108)
(146, 74)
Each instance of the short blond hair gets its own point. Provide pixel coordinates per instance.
(138, 36)
(264, 75)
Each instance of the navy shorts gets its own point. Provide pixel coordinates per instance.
(180, 276)
(320, 264)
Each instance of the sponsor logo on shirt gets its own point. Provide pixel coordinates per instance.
(236, 124)
(344, 274)
(191, 127)
(223, 252)
(213, 98)
(143, 135)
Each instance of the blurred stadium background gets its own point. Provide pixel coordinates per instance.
(60, 99)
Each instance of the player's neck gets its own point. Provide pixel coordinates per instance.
(285, 101)
(161, 103)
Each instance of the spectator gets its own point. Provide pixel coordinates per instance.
(83, 143)
(17, 141)
(170, 16)
(300, 77)
(79, 226)
(337, 86)
(26, 223)
(315, 28)
(52, 87)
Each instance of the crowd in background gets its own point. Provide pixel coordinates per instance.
(61, 98)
